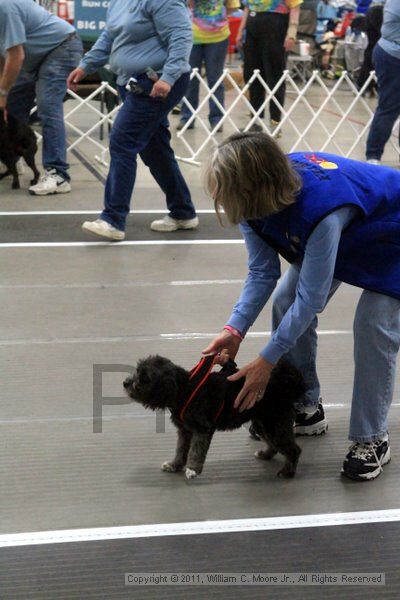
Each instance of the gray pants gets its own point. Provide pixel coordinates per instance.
(376, 344)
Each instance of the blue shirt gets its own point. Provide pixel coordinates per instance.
(315, 280)
(390, 32)
(25, 22)
(144, 33)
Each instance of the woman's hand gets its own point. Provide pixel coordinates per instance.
(224, 341)
(161, 89)
(289, 44)
(257, 375)
(239, 40)
(74, 78)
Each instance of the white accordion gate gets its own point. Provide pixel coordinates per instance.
(316, 117)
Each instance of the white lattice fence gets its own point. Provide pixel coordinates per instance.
(316, 117)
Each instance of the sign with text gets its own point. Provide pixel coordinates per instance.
(90, 18)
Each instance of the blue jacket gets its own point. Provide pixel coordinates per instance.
(369, 250)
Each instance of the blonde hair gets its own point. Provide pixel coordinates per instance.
(249, 177)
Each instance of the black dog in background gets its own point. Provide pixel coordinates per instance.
(159, 384)
(16, 140)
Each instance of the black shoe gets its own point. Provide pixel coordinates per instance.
(364, 461)
(311, 424)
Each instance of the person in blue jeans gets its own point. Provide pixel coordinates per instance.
(148, 47)
(386, 61)
(334, 220)
(210, 46)
(39, 51)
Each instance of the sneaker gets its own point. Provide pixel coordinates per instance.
(167, 223)
(104, 229)
(50, 183)
(373, 161)
(365, 460)
(273, 125)
(311, 424)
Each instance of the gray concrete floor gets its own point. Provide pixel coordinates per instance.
(65, 309)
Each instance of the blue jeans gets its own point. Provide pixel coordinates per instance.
(49, 84)
(142, 127)
(376, 345)
(213, 55)
(388, 72)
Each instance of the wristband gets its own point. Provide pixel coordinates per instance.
(292, 31)
(234, 332)
(3, 93)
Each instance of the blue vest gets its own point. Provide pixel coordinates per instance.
(369, 250)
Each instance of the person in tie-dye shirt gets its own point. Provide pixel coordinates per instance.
(268, 30)
(210, 45)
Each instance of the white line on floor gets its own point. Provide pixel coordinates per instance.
(119, 244)
(123, 417)
(128, 284)
(34, 213)
(198, 527)
(143, 338)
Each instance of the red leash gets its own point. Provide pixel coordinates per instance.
(199, 375)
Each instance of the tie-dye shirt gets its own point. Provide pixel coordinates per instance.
(276, 6)
(210, 23)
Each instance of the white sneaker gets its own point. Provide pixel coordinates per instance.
(104, 229)
(50, 183)
(373, 161)
(273, 125)
(3, 168)
(167, 223)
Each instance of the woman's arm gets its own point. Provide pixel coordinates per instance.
(314, 284)
(173, 25)
(98, 55)
(313, 288)
(242, 27)
(264, 272)
(294, 15)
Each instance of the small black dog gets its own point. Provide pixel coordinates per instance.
(159, 384)
(16, 140)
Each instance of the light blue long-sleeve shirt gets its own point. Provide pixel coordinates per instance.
(140, 34)
(315, 281)
(25, 22)
(390, 32)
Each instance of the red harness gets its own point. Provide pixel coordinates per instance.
(198, 377)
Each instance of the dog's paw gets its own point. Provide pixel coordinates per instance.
(265, 454)
(170, 467)
(286, 473)
(190, 473)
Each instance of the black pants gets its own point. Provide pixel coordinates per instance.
(264, 50)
